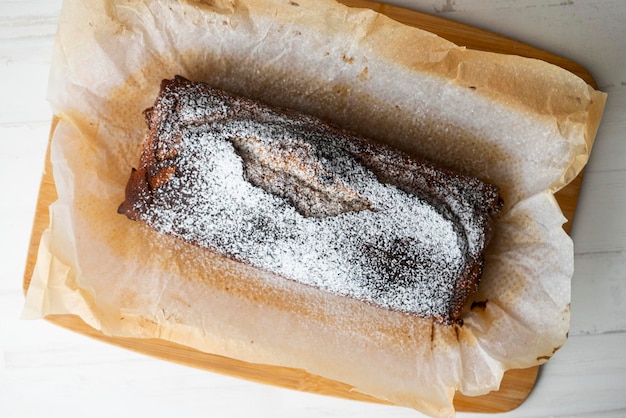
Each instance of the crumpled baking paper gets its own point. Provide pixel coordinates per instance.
(524, 125)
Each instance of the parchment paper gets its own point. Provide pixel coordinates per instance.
(524, 125)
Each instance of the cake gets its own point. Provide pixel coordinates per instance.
(290, 194)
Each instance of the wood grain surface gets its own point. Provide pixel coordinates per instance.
(516, 385)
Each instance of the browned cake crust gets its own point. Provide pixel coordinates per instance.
(293, 195)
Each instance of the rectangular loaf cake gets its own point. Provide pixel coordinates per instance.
(290, 194)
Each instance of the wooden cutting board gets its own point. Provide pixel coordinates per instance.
(516, 385)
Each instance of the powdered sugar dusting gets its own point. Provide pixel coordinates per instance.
(288, 194)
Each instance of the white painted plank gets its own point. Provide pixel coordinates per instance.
(11, 10)
(583, 379)
(600, 219)
(599, 294)
(25, 54)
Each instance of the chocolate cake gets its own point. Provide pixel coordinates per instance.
(292, 195)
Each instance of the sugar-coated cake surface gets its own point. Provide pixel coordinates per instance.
(287, 193)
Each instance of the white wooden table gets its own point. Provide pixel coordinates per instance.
(46, 371)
